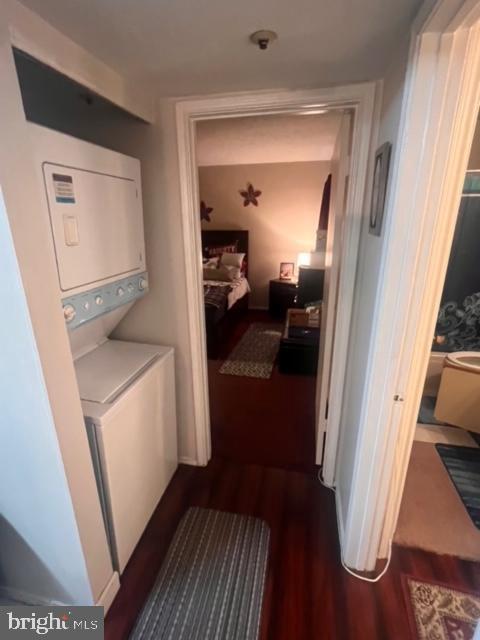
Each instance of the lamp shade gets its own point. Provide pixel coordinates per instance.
(304, 259)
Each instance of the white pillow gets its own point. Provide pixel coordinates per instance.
(235, 272)
(211, 263)
(232, 259)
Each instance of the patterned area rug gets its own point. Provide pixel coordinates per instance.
(255, 354)
(437, 612)
(211, 583)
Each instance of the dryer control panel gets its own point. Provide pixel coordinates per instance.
(83, 307)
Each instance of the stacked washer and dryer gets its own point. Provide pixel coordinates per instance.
(127, 389)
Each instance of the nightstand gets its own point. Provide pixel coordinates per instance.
(282, 296)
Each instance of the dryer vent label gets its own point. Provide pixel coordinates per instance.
(63, 186)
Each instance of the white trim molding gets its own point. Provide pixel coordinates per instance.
(359, 98)
(439, 112)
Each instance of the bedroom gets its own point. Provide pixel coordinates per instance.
(267, 240)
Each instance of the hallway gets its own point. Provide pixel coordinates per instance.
(308, 594)
(263, 434)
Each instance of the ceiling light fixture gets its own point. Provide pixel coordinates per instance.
(263, 38)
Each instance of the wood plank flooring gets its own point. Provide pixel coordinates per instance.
(263, 465)
(268, 422)
(308, 594)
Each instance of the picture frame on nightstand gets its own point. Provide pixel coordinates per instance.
(287, 270)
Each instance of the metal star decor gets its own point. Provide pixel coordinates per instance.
(250, 195)
(205, 212)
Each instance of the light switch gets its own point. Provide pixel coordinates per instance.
(70, 229)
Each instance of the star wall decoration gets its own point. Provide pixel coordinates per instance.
(250, 195)
(205, 212)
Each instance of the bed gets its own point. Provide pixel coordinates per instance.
(225, 302)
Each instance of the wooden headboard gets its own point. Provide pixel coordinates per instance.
(221, 237)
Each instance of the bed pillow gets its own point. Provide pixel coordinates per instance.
(222, 274)
(235, 272)
(211, 263)
(211, 252)
(232, 259)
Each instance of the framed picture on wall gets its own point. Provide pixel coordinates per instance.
(379, 188)
(286, 270)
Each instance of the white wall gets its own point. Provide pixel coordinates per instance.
(41, 554)
(369, 265)
(160, 317)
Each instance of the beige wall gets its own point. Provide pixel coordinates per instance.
(160, 317)
(283, 224)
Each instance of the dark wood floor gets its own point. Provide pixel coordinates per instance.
(270, 474)
(267, 422)
(308, 596)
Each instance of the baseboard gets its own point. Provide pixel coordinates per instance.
(187, 460)
(340, 524)
(24, 597)
(108, 594)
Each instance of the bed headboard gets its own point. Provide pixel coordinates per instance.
(221, 237)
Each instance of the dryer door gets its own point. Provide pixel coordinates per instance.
(97, 225)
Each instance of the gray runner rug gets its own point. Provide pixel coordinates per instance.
(255, 354)
(211, 583)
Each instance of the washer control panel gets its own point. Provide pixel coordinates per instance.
(83, 307)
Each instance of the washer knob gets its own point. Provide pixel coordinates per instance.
(120, 291)
(69, 312)
(98, 300)
(130, 287)
(142, 284)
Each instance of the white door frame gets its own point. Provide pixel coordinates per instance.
(440, 108)
(360, 98)
(340, 168)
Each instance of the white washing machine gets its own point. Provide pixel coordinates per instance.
(127, 390)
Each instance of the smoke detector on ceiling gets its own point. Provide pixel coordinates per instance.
(263, 38)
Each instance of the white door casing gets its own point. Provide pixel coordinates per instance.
(360, 99)
(334, 247)
(438, 117)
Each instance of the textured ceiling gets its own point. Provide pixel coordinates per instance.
(267, 139)
(181, 47)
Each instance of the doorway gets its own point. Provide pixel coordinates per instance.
(268, 220)
(441, 101)
(439, 511)
(360, 99)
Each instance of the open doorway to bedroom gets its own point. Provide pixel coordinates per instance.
(272, 192)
